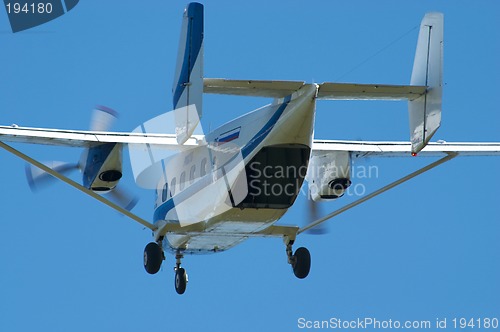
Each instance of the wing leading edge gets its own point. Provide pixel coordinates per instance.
(329, 150)
(360, 149)
(75, 138)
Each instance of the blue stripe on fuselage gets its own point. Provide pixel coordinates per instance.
(266, 129)
(162, 210)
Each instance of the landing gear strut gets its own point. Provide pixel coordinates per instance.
(154, 256)
(181, 278)
(300, 260)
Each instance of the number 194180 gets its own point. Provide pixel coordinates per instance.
(479, 323)
(39, 8)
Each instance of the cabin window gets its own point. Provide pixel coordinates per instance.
(182, 181)
(172, 187)
(191, 174)
(203, 168)
(164, 193)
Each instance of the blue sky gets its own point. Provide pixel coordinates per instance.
(426, 250)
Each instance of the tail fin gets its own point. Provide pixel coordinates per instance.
(425, 111)
(188, 79)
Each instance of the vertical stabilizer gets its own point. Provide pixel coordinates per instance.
(425, 111)
(188, 79)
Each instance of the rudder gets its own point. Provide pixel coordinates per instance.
(425, 111)
(188, 80)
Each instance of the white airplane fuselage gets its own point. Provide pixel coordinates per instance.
(275, 143)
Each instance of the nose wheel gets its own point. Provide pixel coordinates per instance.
(181, 278)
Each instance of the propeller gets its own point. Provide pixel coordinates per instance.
(101, 120)
(38, 178)
(313, 209)
(120, 197)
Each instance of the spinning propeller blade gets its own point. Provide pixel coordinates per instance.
(103, 118)
(38, 178)
(313, 214)
(122, 198)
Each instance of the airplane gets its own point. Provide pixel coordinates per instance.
(217, 190)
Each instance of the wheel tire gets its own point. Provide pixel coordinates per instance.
(302, 262)
(153, 257)
(180, 280)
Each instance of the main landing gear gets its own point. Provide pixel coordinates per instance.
(154, 256)
(300, 260)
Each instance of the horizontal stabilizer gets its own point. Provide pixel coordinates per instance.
(260, 88)
(348, 91)
(330, 91)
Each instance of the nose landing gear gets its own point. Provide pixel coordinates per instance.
(181, 277)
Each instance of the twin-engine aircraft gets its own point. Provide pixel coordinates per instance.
(216, 190)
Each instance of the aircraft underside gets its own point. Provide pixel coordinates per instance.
(228, 230)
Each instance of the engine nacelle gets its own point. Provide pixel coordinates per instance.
(102, 168)
(328, 175)
(106, 180)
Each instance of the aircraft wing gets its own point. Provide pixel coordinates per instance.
(360, 149)
(88, 139)
(75, 138)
